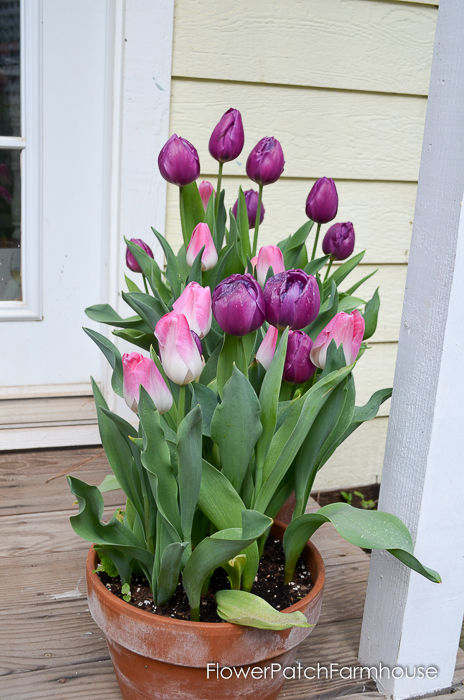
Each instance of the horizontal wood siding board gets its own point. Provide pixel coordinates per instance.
(381, 212)
(44, 410)
(323, 132)
(345, 44)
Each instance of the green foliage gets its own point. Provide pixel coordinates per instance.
(202, 481)
(363, 528)
(248, 609)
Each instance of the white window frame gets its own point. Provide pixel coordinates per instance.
(29, 308)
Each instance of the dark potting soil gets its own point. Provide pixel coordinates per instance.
(269, 584)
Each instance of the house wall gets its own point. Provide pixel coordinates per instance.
(343, 85)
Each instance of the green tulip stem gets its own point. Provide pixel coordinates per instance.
(145, 283)
(328, 268)
(218, 190)
(181, 405)
(258, 217)
(318, 230)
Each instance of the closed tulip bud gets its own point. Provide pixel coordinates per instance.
(141, 371)
(179, 352)
(298, 367)
(322, 201)
(251, 201)
(267, 348)
(292, 299)
(228, 137)
(201, 237)
(265, 163)
(269, 256)
(339, 241)
(238, 304)
(205, 189)
(346, 330)
(131, 262)
(178, 161)
(195, 304)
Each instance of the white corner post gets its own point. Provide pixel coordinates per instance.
(408, 621)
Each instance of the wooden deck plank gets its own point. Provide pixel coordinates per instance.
(23, 478)
(55, 650)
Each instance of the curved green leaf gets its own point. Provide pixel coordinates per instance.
(216, 550)
(113, 356)
(285, 444)
(371, 313)
(243, 608)
(364, 528)
(191, 210)
(189, 451)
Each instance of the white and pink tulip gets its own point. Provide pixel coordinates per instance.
(269, 256)
(346, 330)
(138, 371)
(201, 237)
(195, 304)
(180, 356)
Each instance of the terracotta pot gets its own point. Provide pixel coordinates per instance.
(160, 657)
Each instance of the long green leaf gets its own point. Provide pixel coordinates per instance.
(157, 461)
(269, 400)
(88, 523)
(363, 528)
(236, 427)
(104, 313)
(282, 452)
(169, 571)
(191, 210)
(151, 270)
(113, 356)
(216, 550)
(189, 447)
(371, 313)
(172, 269)
(207, 401)
(222, 505)
(148, 307)
(244, 608)
(341, 272)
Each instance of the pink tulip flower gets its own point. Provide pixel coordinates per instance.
(269, 256)
(141, 371)
(195, 304)
(205, 189)
(346, 330)
(180, 356)
(267, 348)
(201, 237)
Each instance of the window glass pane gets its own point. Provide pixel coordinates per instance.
(10, 225)
(10, 106)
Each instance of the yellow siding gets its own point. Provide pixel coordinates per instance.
(342, 84)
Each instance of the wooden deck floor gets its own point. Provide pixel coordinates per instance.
(50, 646)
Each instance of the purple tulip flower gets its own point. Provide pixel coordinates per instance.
(322, 201)
(292, 299)
(339, 241)
(131, 262)
(298, 367)
(178, 161)
(265, 163)
(238, 304)
(251, 201)
(228, 137)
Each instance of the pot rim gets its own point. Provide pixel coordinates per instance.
(213, 628)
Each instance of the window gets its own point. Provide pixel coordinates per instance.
(19, 162)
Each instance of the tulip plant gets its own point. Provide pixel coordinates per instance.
(241, 386)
